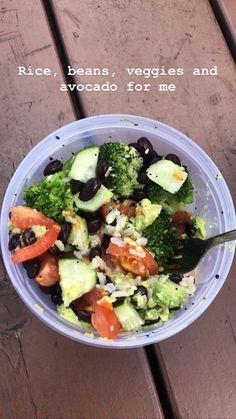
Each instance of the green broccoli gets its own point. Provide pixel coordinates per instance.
(171, 202)
(125, 162)
(51, 196)
(162, 239)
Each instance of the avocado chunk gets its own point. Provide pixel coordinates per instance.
(84, 164)
(169, 294)
(146, 213)
(68, 314)
(168, 175)
(103, 196)
(76, 279)
(200, 226)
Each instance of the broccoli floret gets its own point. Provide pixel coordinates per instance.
(125, 162)
(171, 202)
(162, 239)
(51, 196)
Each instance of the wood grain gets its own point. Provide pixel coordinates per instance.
(44, 375)
(198, 364)
(124, 34)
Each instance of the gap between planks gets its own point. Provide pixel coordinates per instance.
(226, 24)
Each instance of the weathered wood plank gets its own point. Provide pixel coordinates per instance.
(44, 375)
(117, 35)
(198, 363)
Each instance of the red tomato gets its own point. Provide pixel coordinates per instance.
(104, 210)
(38, 248)
(105, 322)
(48, 274)
(143, 266)
(131, 264)
(90, 298)
(181, 217)
(25, 217)
(128, 207)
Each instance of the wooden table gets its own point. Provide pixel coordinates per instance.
(45, 375)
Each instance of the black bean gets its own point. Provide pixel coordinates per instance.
(190, 230)
(56, 299)
(144, 143)
(28, 237)
(138, 195)
(146, 149)
(150, 322)
(114, 222)
(46, 290)
(175, 277)
(88, 215)
(136, 146)
(94, 224)
(106, 241)
(96, 251)
(143, 177)
(119, 300)
(155, 158)
(14, 241)
(101, 170)
(9, 215)
(32, 267)
(55, 251)
(76, 186)
(56, 294)
(90, 189)
(53, 167)
(175, 159)
(108, 280)
(141, 290)
(83, 316)
(65, 232)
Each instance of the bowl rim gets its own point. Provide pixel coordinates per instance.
(91, 124)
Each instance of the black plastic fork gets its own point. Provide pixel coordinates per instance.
(191, 252)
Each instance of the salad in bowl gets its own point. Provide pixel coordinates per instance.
(98, 231)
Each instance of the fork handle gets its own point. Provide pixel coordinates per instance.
(221, 238)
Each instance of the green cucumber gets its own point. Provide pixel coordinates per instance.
(103, 196)
(84, 165)
(128, 317)
(168, 175)
(76, 279)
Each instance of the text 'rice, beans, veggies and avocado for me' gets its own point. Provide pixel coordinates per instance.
(97, 234)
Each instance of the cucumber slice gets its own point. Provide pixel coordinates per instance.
(103, 196)
(76, 278)
(128, 317)
(168, 175)
(84, 165)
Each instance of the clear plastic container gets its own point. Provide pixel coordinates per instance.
(213, 202)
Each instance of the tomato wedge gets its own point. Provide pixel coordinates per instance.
(89, 299)
(181, 217)
(138, 265)
(25, 217)
(38, 248)
(105, 322)
(48, 274)
(133, 265)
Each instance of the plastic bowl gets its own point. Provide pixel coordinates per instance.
(213, 202)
